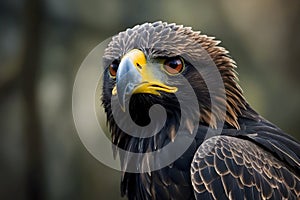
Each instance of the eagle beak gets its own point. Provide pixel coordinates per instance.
(134, 76)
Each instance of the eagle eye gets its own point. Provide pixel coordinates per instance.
(173, 65)
(113, 67)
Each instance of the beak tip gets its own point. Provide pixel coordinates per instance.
(122, 104)
(123, 109)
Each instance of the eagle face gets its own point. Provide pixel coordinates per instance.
(149, 64)
(144, 67)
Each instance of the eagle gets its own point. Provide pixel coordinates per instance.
(247, 158)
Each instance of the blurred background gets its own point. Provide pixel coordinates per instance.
(42, 44)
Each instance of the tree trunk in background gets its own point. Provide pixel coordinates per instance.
(35, 176)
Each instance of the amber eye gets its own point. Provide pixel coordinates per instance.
(173, 65)
(113, 67)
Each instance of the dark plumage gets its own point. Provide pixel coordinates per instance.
(251, 159)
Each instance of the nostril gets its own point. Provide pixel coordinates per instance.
(138, 65)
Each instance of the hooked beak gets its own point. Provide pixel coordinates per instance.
(134, 76)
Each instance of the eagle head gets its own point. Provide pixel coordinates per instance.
(147, 65)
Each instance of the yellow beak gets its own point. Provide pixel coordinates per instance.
(135, 75)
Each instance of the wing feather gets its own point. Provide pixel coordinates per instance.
(226, 167)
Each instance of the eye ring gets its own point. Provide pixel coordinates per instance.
(174, 65)
(113, 68)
